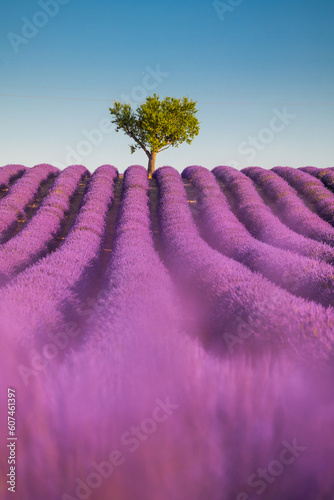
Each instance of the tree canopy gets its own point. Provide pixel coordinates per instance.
(157, 124)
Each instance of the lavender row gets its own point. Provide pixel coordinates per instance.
(129, 350)
(22, 193)
(237, 300)
(300, 275)
(322, 199)
(260, 220)
(135, 278)
(8, 172)
(289, 207)
(311, 170)
(33, 240)
(326, 175)
(34, 303)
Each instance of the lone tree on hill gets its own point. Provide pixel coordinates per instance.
(156, 125)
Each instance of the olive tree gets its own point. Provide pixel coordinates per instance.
(157, 124)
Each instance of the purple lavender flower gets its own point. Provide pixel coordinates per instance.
(321, 199)
(289, 207)
(30, 243)
(300, 275)
(261, 221)
(21, 194)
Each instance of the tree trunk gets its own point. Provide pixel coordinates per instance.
(151, 163)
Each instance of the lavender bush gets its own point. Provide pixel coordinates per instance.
(322, 199)
(260, 220)
(32, 242)
(21, 194)
(8, 172)
(300, 275)
(33, 304)
(326, 175)
(289, 207)
(237, 299)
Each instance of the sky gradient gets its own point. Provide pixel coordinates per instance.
(262, 74)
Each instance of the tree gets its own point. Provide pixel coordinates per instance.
(156, 125)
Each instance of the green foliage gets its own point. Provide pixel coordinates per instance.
(156, 125)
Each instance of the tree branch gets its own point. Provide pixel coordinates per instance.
(131, 134)
(162, 149)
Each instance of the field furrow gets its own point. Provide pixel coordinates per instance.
(111, 222)
(154, 207)
(23, 198)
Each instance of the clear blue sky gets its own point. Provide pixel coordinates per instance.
(262, 73)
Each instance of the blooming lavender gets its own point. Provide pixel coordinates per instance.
(136, 407)
(261, 221)
(311, 170)
(21, 194)
(298, 274)
(289, 207)
(134, 264)
(319, 197)
(326, 175)
(234, 297)
(32, 304)
(32, 242)
(8, 172)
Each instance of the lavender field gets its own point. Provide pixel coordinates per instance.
(167, 338)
